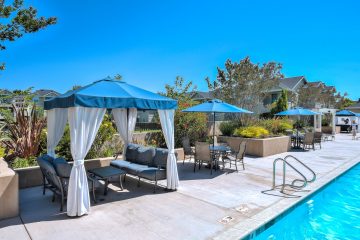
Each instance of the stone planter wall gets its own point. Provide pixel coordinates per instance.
(9, 191)
(260, 147)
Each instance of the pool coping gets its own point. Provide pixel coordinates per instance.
(258, 223)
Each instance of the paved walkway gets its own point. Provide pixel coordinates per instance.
(193, 212)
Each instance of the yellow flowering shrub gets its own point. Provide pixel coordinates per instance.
(251, 132)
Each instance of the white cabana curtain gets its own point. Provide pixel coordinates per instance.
(167, 125)
(84, 124)
(56, 122)
(125, 120)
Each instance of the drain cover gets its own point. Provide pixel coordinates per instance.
(226, 220)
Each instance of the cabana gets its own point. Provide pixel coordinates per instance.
(84, 109)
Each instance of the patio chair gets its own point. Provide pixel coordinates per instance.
(318, 138)
(236, 158)
(308, 141)
(56, 173)
(203, 155)
(188, 151)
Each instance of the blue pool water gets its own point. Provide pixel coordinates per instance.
(332, 213)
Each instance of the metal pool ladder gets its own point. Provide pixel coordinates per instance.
(295, 183)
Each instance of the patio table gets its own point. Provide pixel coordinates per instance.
(297, 140)
(219, 151)
(105, 173)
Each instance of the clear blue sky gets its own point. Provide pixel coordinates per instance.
(151, 42)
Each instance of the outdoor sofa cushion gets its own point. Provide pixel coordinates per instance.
(143, 171)
(62, 167)
(160, 158)
(131, 152)
(145, 155)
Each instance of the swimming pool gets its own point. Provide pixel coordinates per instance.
(331, 213)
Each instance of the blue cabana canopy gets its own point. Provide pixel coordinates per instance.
(216, 106)
(346, 113)
(297, 112)
(110, 93)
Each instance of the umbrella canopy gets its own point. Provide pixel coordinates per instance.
(297, 112)
(110, 93)
(216, 106)
(346, 113)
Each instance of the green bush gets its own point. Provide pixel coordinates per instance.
(2, 152)
(276, 126)
(101, 147)
(23, 162)
(228, 128)
(251, 132)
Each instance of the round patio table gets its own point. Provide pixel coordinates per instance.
(219, 151)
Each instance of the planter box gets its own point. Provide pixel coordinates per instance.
(9, 191)
(260, 147)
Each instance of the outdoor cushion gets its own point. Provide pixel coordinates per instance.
(131, 152)
(150, 172)
(128, 167)
(47, 158)
(160, 158)
(63, 169)
(145, 155)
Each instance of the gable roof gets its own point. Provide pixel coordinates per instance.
(291, 83)
(355, 105)
(46, 92)
(5, 92)
(198, 95)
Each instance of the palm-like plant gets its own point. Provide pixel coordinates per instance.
(23, 133)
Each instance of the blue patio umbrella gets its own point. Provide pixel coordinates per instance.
(215, 106)
(298, 111)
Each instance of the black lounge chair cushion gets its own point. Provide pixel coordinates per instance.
(145, 155)
(47, 158)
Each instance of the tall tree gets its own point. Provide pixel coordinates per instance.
(281, 104)
(17, 20)
(245, 83)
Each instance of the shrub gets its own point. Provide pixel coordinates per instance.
(276, 126)
(23, 162)
(251, 132)
(23, 133)
(2, 152)
(228, 128)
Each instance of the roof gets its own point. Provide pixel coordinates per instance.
(291, 83)
(201, 95)
(345, 113)
(355, 105)
(4, 92)
(216, 106)
(109, 93)
(46, 92)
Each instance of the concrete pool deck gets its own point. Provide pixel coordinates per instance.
(194, 211)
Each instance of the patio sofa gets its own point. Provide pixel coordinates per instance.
(56, 174)
(144, 162)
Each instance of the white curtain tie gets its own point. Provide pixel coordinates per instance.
(172, 151)
(78, 162)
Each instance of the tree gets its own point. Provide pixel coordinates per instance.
(191, 125)
(118, 77)
(344, 102)
(281, 104)
(245, 84)
(18, 20)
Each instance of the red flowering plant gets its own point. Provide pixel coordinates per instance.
(191, 125)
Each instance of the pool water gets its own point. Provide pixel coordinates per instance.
(332, 213)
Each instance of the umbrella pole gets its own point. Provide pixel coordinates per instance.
(214, 131)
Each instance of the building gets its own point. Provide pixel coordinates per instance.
(292, 85)
(355, 107)
(43, 94)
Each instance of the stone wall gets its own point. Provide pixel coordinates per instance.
(260, 147)
(9, 191)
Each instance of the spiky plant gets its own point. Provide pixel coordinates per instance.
(23, 133)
